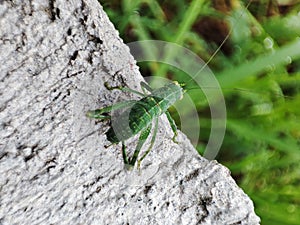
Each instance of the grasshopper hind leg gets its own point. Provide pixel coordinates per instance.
(151, 143)
(102, 113)
(129, 163)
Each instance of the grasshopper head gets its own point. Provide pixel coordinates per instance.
(182, 85)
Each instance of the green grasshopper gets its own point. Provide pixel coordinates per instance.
(137, 117)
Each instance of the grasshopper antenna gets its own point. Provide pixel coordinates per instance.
(221, 45)
(216, 52)
(243, 90)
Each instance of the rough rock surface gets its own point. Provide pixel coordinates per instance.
(55, 57)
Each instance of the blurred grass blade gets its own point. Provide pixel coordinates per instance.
(282, 56)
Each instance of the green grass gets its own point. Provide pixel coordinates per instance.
(262, 142)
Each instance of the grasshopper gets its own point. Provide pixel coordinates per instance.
(137, 117)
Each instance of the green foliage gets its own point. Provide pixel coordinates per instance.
(259, 70)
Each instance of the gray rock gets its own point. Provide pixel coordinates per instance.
(55, 58)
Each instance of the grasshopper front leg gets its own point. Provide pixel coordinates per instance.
(146, 87)
(173, 126)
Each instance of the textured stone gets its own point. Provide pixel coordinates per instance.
(55, 58)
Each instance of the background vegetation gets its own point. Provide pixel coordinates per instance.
(262, 143)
